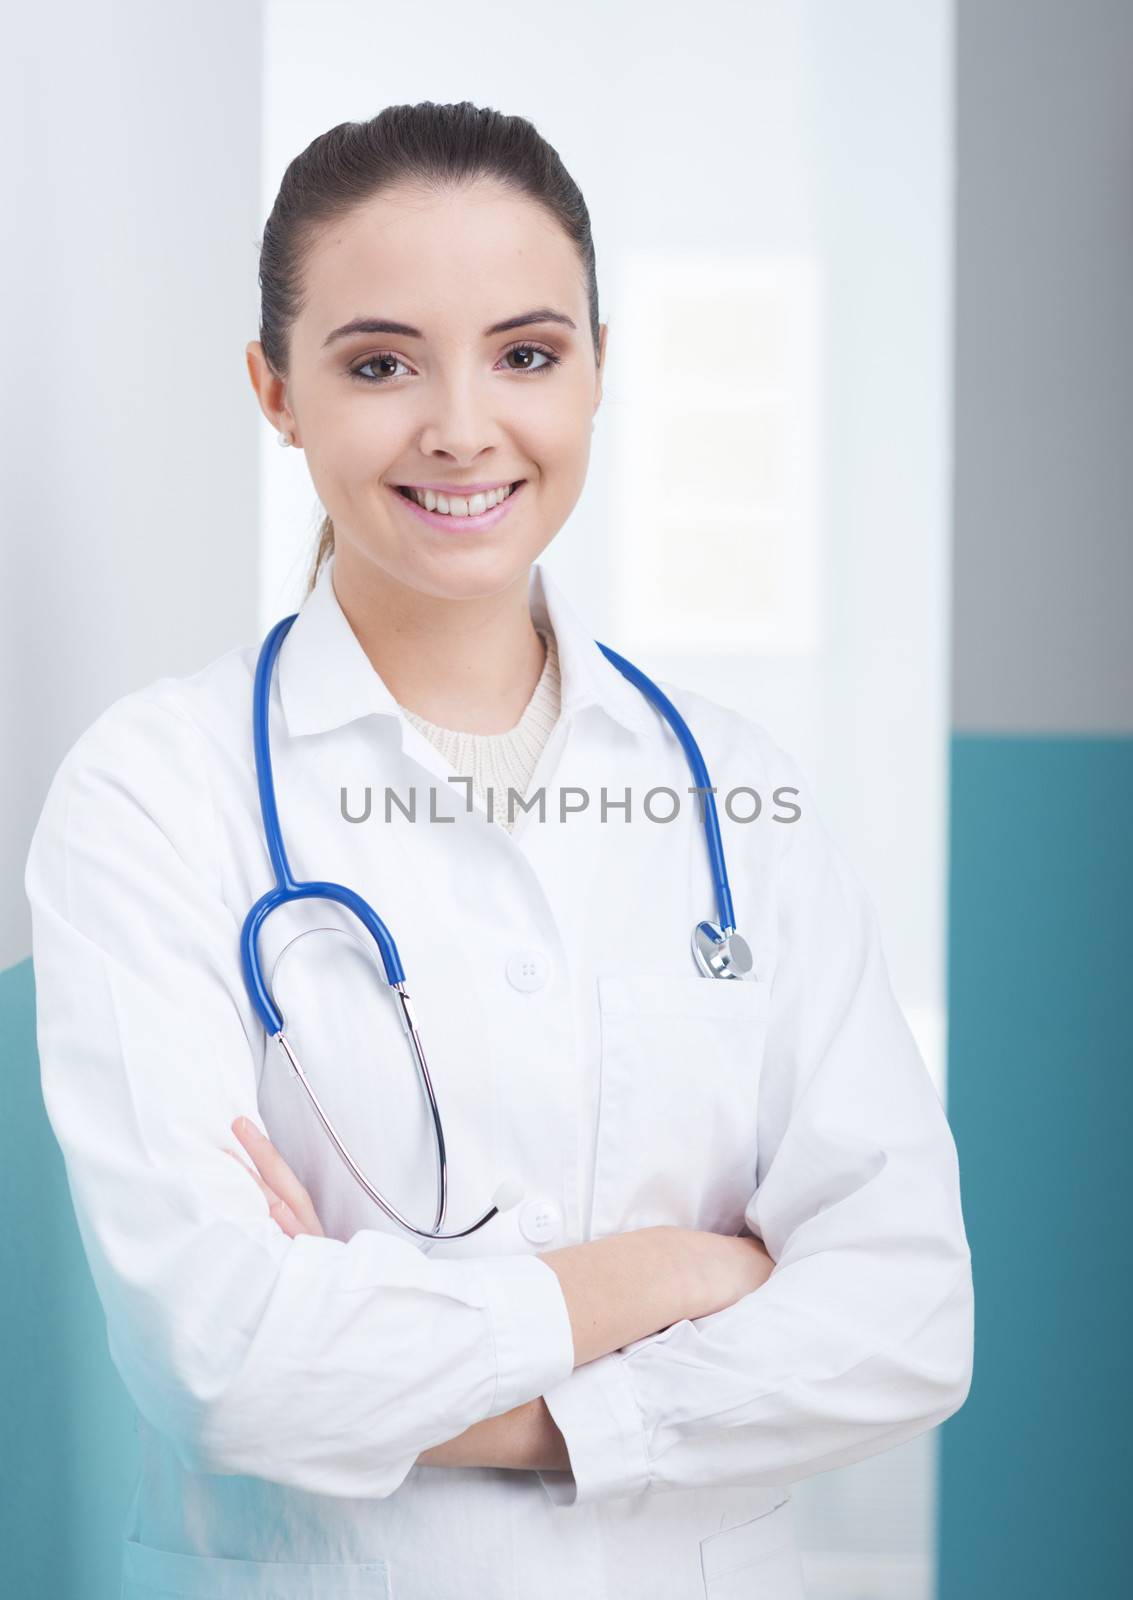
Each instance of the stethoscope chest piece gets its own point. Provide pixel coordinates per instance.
(719, 954)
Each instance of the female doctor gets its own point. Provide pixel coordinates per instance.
(697, 1231)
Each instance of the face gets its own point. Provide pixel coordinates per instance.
(444, 400)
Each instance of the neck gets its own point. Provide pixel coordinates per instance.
(468, 664)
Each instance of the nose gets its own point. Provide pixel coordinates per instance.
(458, 422)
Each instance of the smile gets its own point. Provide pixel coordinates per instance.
(461, 514)
(456, 505)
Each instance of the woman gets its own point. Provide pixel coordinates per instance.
(605, 1390)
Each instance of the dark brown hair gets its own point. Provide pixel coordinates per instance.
(430, 146)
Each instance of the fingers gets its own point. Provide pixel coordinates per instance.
(274, 1169)
(279, 1209)
(280, 1179)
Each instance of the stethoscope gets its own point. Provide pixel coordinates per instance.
(718, 950)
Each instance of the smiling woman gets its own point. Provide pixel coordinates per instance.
(460, 407)
(330, 1382)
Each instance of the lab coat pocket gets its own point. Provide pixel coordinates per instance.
(680, 1066)
(152, 1574)
(757, 1560)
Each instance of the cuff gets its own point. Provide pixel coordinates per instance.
(598, 1416)
(530, 1328)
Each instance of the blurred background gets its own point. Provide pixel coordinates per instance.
(879, 257)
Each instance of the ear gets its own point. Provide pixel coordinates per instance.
(602, 330)
(271, 390)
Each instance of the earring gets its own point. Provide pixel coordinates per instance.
(283, 440)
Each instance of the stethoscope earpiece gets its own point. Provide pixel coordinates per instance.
(509, 1194)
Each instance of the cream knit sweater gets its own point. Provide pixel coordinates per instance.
(500, 760)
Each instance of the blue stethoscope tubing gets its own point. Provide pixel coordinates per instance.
(699, 771)
(719, 951)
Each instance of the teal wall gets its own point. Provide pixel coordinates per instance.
(1035, 1468)
(66, 1420)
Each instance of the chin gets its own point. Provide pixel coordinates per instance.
(466, 572)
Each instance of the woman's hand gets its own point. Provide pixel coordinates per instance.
(288, 1201)
(731, 1267)
(524, 1437)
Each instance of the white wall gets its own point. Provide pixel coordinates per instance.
(129, 495)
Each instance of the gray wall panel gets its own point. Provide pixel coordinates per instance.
(1043, 577)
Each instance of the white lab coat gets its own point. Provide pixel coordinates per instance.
(286, 1386)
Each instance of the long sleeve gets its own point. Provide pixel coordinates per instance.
(863, 1335)
(316, 1363)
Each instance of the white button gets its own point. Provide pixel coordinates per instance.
(540, 1220)
(528, 969)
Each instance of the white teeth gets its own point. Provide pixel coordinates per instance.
(457, 506)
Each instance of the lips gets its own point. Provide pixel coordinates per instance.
(457, 526)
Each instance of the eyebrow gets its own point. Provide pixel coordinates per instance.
(525, 319)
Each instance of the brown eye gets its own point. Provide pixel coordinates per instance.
(383, 359)
(528, 351)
